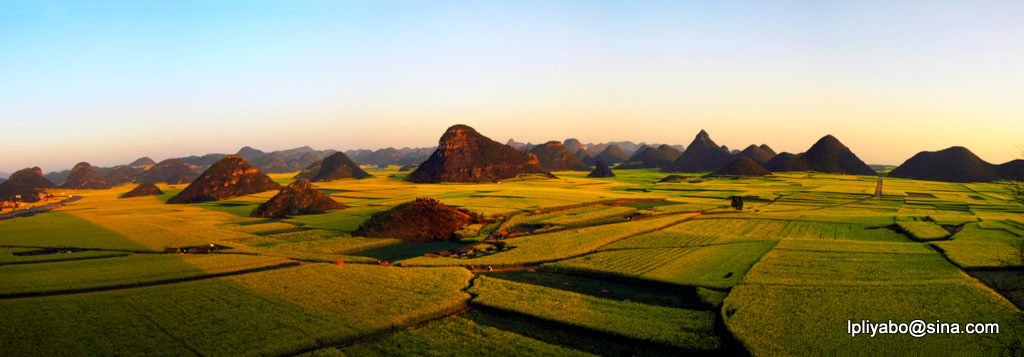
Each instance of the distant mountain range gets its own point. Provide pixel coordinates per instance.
(828, 155)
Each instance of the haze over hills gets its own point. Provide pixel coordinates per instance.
(553, 156)
(612, 155)
(125, 174)
(170, 171)
(826, 155)
(758, 154)
(585, 157)
(954, 164)
(142, 161)
(391, 156)
(648, 157)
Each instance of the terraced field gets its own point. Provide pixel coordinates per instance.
(609, 266)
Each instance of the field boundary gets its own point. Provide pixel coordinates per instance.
(146, 284)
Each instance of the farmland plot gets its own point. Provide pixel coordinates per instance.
(715, 266)
(122, 271)
(785, 228)
(687, 329)
(539, 248)
(798, 300)
(269, 313)
(456, 336)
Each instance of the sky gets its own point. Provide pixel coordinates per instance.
(110, 81)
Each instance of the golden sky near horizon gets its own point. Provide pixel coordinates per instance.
(108, 82)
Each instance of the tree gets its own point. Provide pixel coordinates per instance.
(737, 202)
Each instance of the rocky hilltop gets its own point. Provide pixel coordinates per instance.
(701, 155)
(465, 156)
(26, 183)
(955, 164)
(296, 199)
(423, 219)
(827, 155)
(553, 156)
(229, 177)
(143, 189)
(82, 177)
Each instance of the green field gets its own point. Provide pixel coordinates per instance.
(608, 266)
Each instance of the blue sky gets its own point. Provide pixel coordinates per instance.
(110, 81)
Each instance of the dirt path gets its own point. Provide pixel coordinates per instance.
(878, 188)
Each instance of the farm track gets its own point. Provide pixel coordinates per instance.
(146, 284)
(34, 210)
